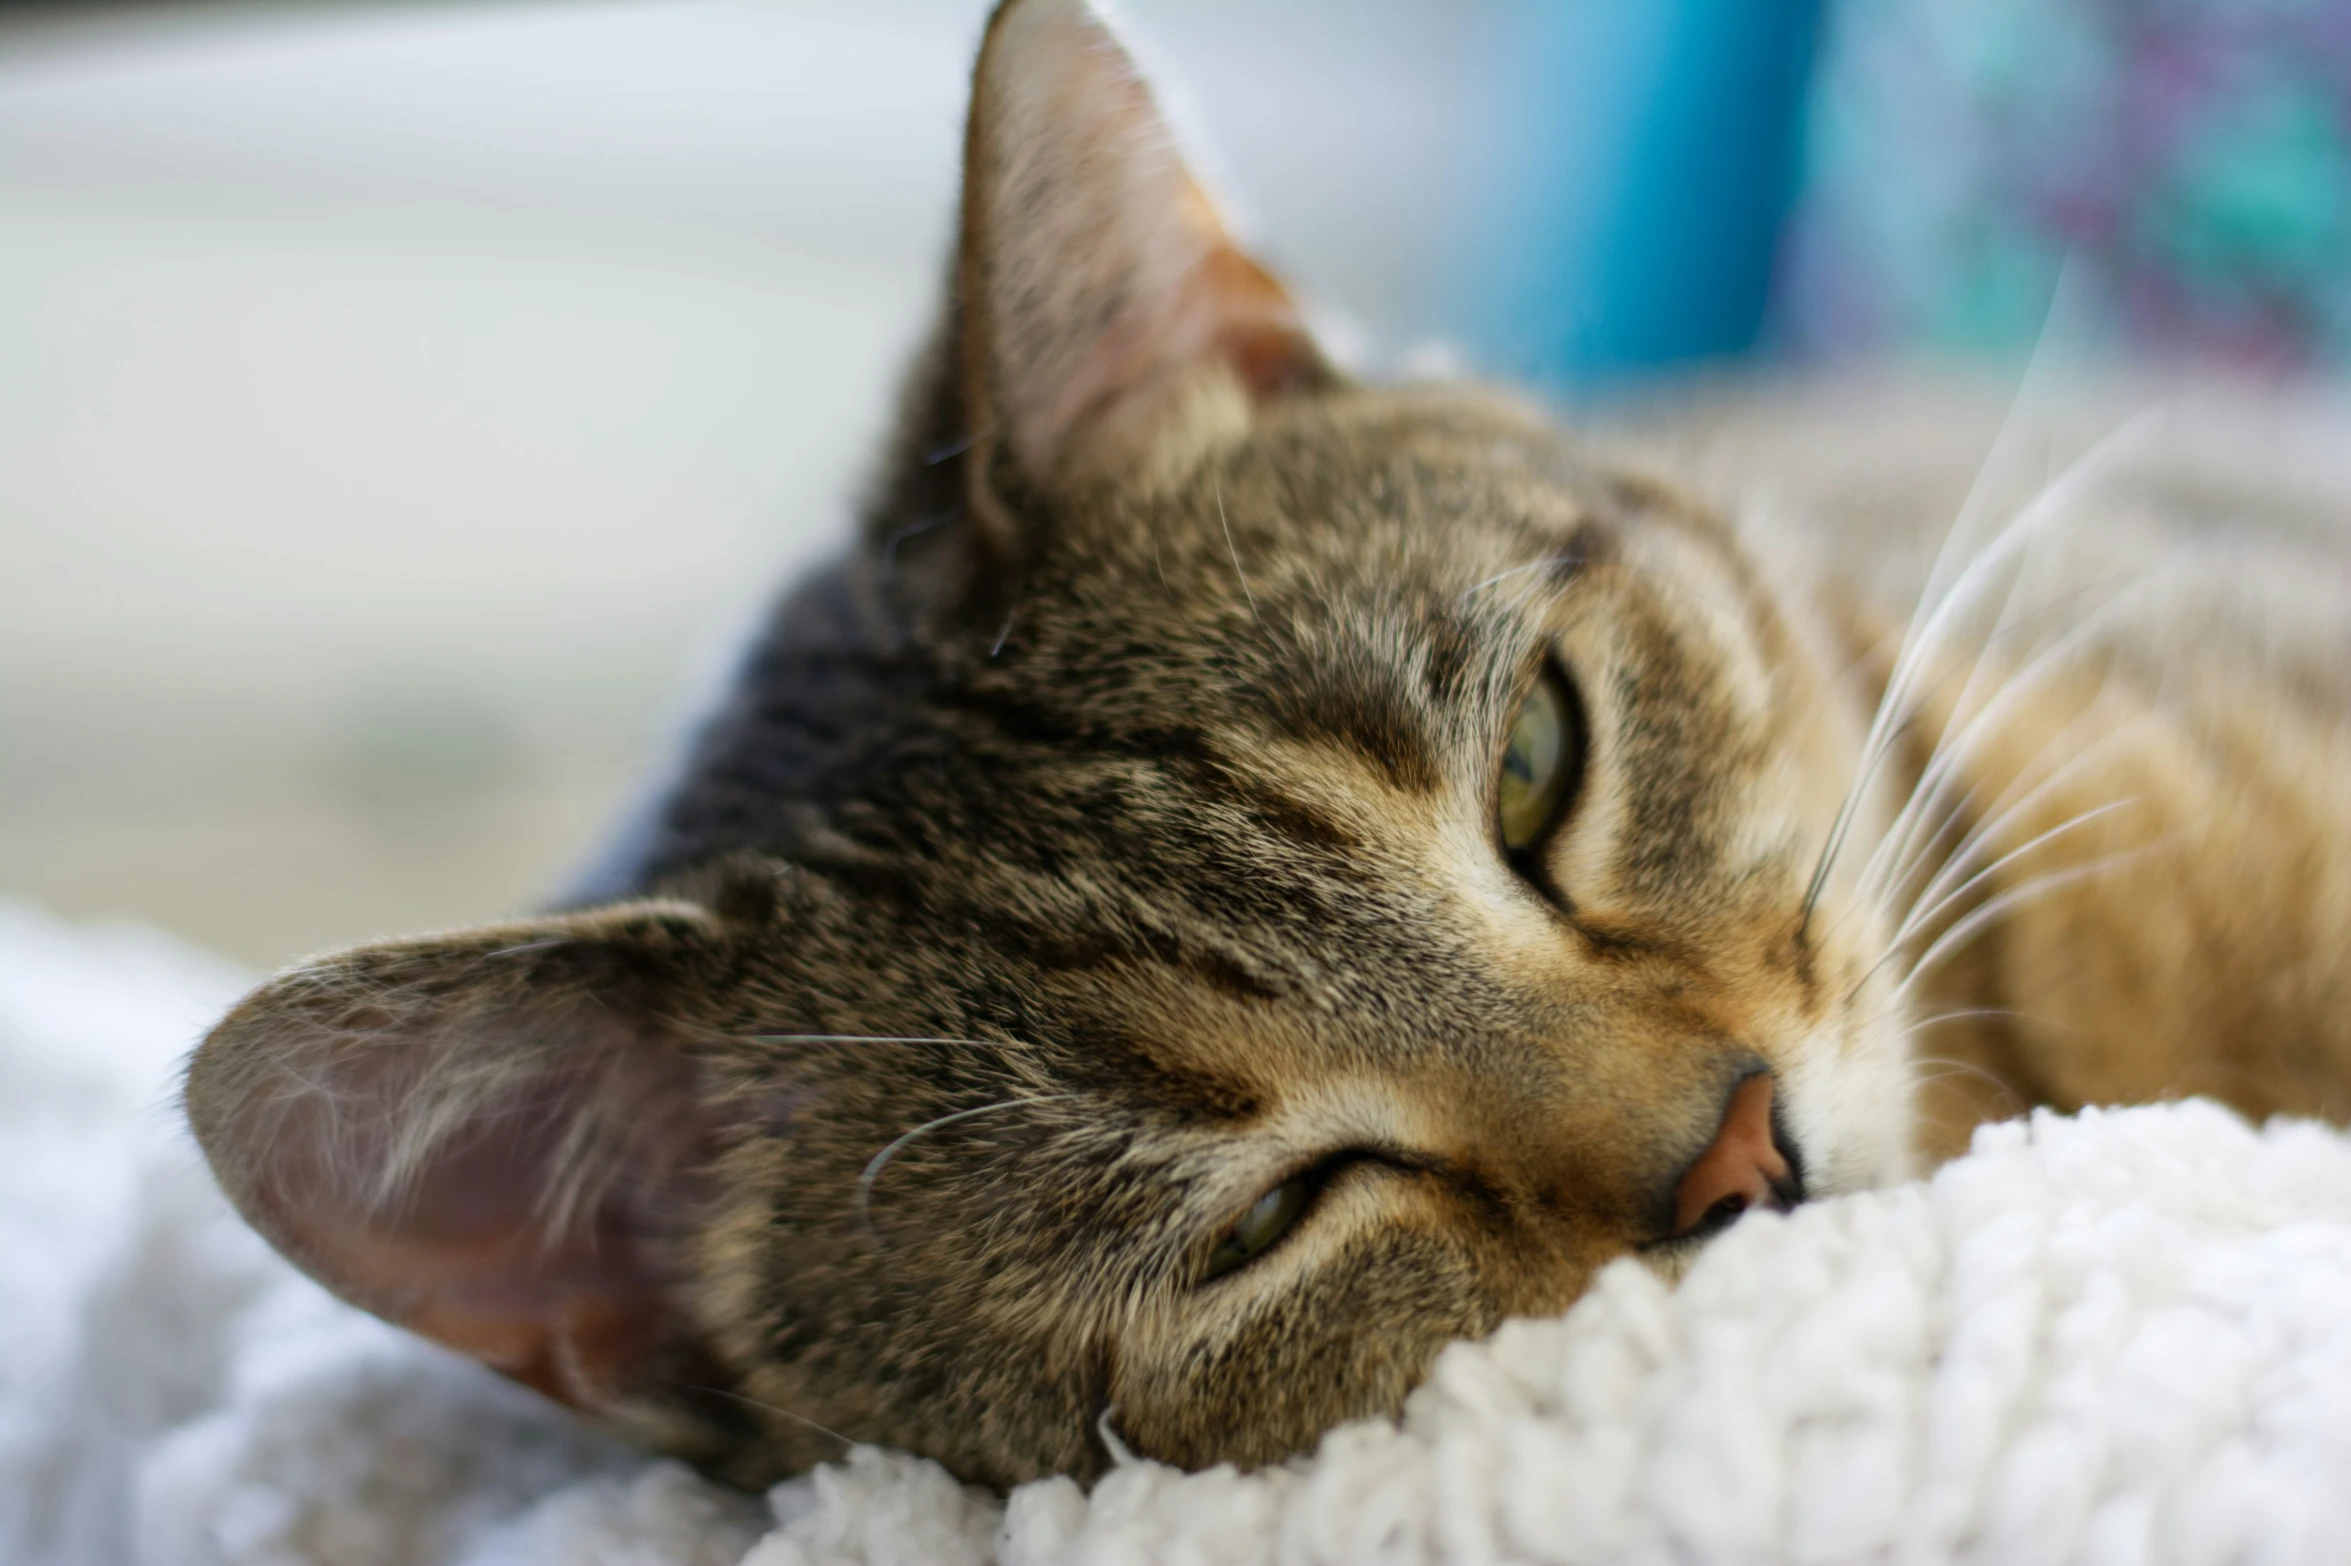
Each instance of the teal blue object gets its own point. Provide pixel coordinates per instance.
(1643, 154)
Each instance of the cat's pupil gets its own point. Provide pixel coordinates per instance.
(1538, 764)
(1266, 1221)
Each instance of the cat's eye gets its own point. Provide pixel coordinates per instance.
(1540, 763)
(1266, 1221)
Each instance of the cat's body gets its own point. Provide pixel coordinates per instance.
(1124, 959)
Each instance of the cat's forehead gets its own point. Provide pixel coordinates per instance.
(1239, 735)
(1377, 512)
(1377, 477)
(1377, 579)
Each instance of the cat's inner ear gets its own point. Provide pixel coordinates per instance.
(492, 1139)
(1104, 303)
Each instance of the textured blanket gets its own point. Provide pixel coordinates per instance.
(2124, 1337)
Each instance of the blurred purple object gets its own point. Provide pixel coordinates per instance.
(2191, 157)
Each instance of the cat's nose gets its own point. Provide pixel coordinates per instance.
(1743, 1167)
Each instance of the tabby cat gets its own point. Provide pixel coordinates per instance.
(1243, 878)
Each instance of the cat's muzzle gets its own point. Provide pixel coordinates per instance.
(1749, 1164)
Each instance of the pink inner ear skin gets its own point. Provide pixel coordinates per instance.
(570, 1322)
(491, 1139)
(1226, 312)
(1099, 275)
(1231, 309)
(469, 1254)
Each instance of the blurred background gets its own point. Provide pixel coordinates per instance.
(403, 408)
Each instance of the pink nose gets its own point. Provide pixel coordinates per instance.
(1742, 1169)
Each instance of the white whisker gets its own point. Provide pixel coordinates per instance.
(2055, 499)
(1558, 561)
(1900, 845)
(1920, 918)
(1499, 577)
(1963, 1068)
(1975, 923)
(778, 1409)
(873, 1038)
(1953, 750)
(1963, 1014)
(1232, 548)
(1930, 626)
(2004, 810)
(881, 1160)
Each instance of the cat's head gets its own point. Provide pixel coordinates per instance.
(1299, 874)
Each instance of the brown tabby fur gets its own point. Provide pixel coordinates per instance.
(1113, 836)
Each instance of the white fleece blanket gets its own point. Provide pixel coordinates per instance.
(2120, 1338)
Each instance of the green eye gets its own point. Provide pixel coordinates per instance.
(1267, 1220)
(1540, 764)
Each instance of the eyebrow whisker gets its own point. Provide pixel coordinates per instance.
(1548, 562)
(874, 1038)
(774, 1408)
(1232, 548)
(881, 1160)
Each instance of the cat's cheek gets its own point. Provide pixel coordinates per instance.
(1848, 1100)
(1255, 1373)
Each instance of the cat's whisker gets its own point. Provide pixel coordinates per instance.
(1920, 918)
(2054, 501)
(1900, 1010)
(779, 1411)
(1895, 855)
(1547, 563)
(1964, 1014)
(2003, 808)
(1121, 1454)
(1901, 849)
(2006, 809)
(948, 450)
(1981, 918)
(1951, 1068)
(874, 1038)
(1953, 751)
(1497, 578)
(881, 1160)
(1917, 920)
(1225, 522)
(1909, 840)
(1937, 623)
(524, 948)
(1899, 710)
(2012, 429)
(914, 529)
(1924, 1070)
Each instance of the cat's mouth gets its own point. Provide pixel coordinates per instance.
(1753, 1162)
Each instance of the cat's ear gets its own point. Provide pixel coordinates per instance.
(1102, 298)
(491, 1138)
